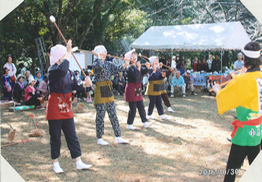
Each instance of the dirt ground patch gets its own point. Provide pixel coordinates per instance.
(191, 139)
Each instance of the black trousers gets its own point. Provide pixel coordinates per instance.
(132, 112)
(236, 157)
(33, 101)
(68, 127)
(155, 100)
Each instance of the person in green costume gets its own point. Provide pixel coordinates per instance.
(244, 93)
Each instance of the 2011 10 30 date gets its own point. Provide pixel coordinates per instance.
(218, 172)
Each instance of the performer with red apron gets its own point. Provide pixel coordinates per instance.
(104, 99)
(244, 93)
(133, 90)
(154, 87)
(59, 108)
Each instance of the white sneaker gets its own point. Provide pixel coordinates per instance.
(163, 116)
(131, 127)
(169, 109)
(121, 140)
(100, 141)
(80, 165)
(194, 93)
(184, 95)
(172, 95)
(148, 124)
(57, 168)
(151, 117)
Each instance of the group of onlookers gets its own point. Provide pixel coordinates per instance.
(24, 88)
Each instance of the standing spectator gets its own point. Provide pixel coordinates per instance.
(89, 88)
(169, 62)
(198, 66)
(178, 62)
(118, 61)
(209, 62)
(109, 58)
(216, 64)
(19, 89)
(43, 87)
(179, 84)
(170, 78)
(189, 82)
(120, 83)
(7, 85)
(162, 60)
(239, 63)
(182, 67)
(173, 64)
(31, 96)
(145, 82)
(204, 66)
(195, 63)
(12, 69)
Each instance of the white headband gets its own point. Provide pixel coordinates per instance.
(251, 54)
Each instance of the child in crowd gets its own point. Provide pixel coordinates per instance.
(89, 88)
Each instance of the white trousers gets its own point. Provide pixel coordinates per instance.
(190, 85)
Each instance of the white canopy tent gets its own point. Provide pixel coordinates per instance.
(197, 37)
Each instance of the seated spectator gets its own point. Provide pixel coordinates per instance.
(80, 92)
(198, 66)
(38, 77)
(7, 85)
(171, 77)
(204, 66)
(27, 75)
(120, 84)
(239, 63)
(179, 84)
(189, 82)
(19, 89)
(31, 96)
(43, 87)
(22, 68)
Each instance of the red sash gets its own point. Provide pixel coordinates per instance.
(240, 124)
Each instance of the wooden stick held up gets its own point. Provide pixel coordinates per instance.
(52, 18)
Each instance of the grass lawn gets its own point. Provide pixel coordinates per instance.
(191, 139)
